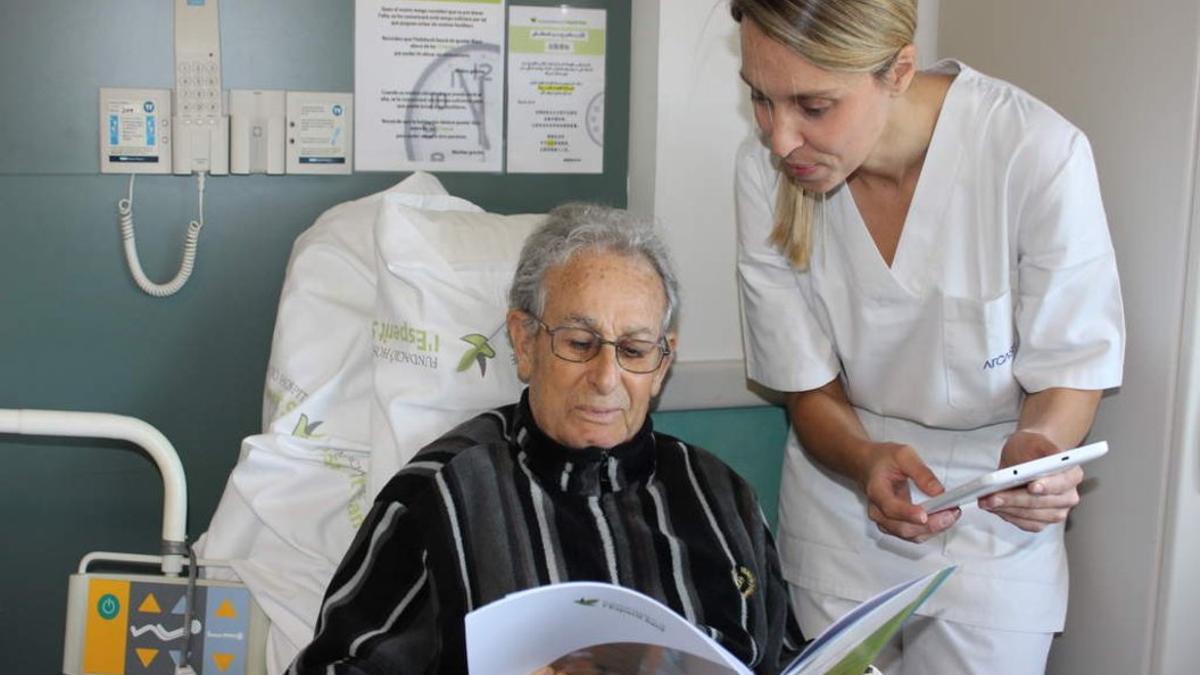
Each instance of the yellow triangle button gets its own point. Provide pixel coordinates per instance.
(150, 605)
(223, 661)
(146, 655)
(226, 611)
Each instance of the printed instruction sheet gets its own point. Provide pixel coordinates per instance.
(556, 60)
(428, 82)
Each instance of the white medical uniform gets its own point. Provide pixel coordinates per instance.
(1004, 281)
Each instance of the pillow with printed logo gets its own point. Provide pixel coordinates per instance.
(299, 490)
(441, 354)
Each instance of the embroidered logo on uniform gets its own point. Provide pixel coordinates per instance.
(744, 579)
(1001, 359)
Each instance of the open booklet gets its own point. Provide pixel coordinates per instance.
(620, 630)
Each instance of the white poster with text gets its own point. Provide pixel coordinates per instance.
(556, 58)
(428, 85)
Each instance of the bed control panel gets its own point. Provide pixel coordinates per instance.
(134, 625)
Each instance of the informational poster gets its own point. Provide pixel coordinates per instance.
(556, 58)
(428, 84)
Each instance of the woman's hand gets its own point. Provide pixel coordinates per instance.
(889, 503)
(1042, 502)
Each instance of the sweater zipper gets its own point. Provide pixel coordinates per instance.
(605, 483)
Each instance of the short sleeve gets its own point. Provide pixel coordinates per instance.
(786, 347)
(1069, 315)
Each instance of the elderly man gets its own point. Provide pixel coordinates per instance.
(570, 483)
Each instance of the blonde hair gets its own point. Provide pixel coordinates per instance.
(847, 36)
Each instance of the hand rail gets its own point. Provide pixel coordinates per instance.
(120, 427)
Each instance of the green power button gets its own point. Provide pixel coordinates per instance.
(108, 606)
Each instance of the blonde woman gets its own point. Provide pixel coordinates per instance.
(926, 269)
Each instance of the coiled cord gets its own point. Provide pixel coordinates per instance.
(125, 211)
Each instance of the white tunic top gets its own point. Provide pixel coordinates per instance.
(1004, 281)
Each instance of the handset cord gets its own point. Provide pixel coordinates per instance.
(125, 209)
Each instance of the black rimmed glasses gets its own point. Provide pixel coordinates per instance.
(580, 345)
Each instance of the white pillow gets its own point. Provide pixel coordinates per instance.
(299, 490)
(438, 339)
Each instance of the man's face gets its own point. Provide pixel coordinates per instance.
(596, 403)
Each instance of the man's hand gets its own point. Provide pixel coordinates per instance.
(578, 663)
(612, 658)
(1042, 502)
(889, 503)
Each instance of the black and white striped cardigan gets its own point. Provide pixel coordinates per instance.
(495, 506)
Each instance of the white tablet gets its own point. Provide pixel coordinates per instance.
(1012, 476)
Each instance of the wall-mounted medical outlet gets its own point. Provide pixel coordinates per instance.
(135, 130)
(257, 131)
(320, 132)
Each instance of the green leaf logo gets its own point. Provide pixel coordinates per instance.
(479, 352)
(587, 602)
(306, 429)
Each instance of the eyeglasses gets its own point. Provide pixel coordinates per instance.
(580, 345)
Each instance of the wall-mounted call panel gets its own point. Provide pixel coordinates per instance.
(135, 130)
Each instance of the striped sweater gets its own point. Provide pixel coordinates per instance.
(495, 506)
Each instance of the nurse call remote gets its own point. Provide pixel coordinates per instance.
(201, 126)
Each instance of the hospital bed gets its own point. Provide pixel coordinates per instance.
(389, 332)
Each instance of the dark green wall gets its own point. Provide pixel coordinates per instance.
(751, 440)
(77, 334)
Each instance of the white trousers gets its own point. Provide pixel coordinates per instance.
(927, 646)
